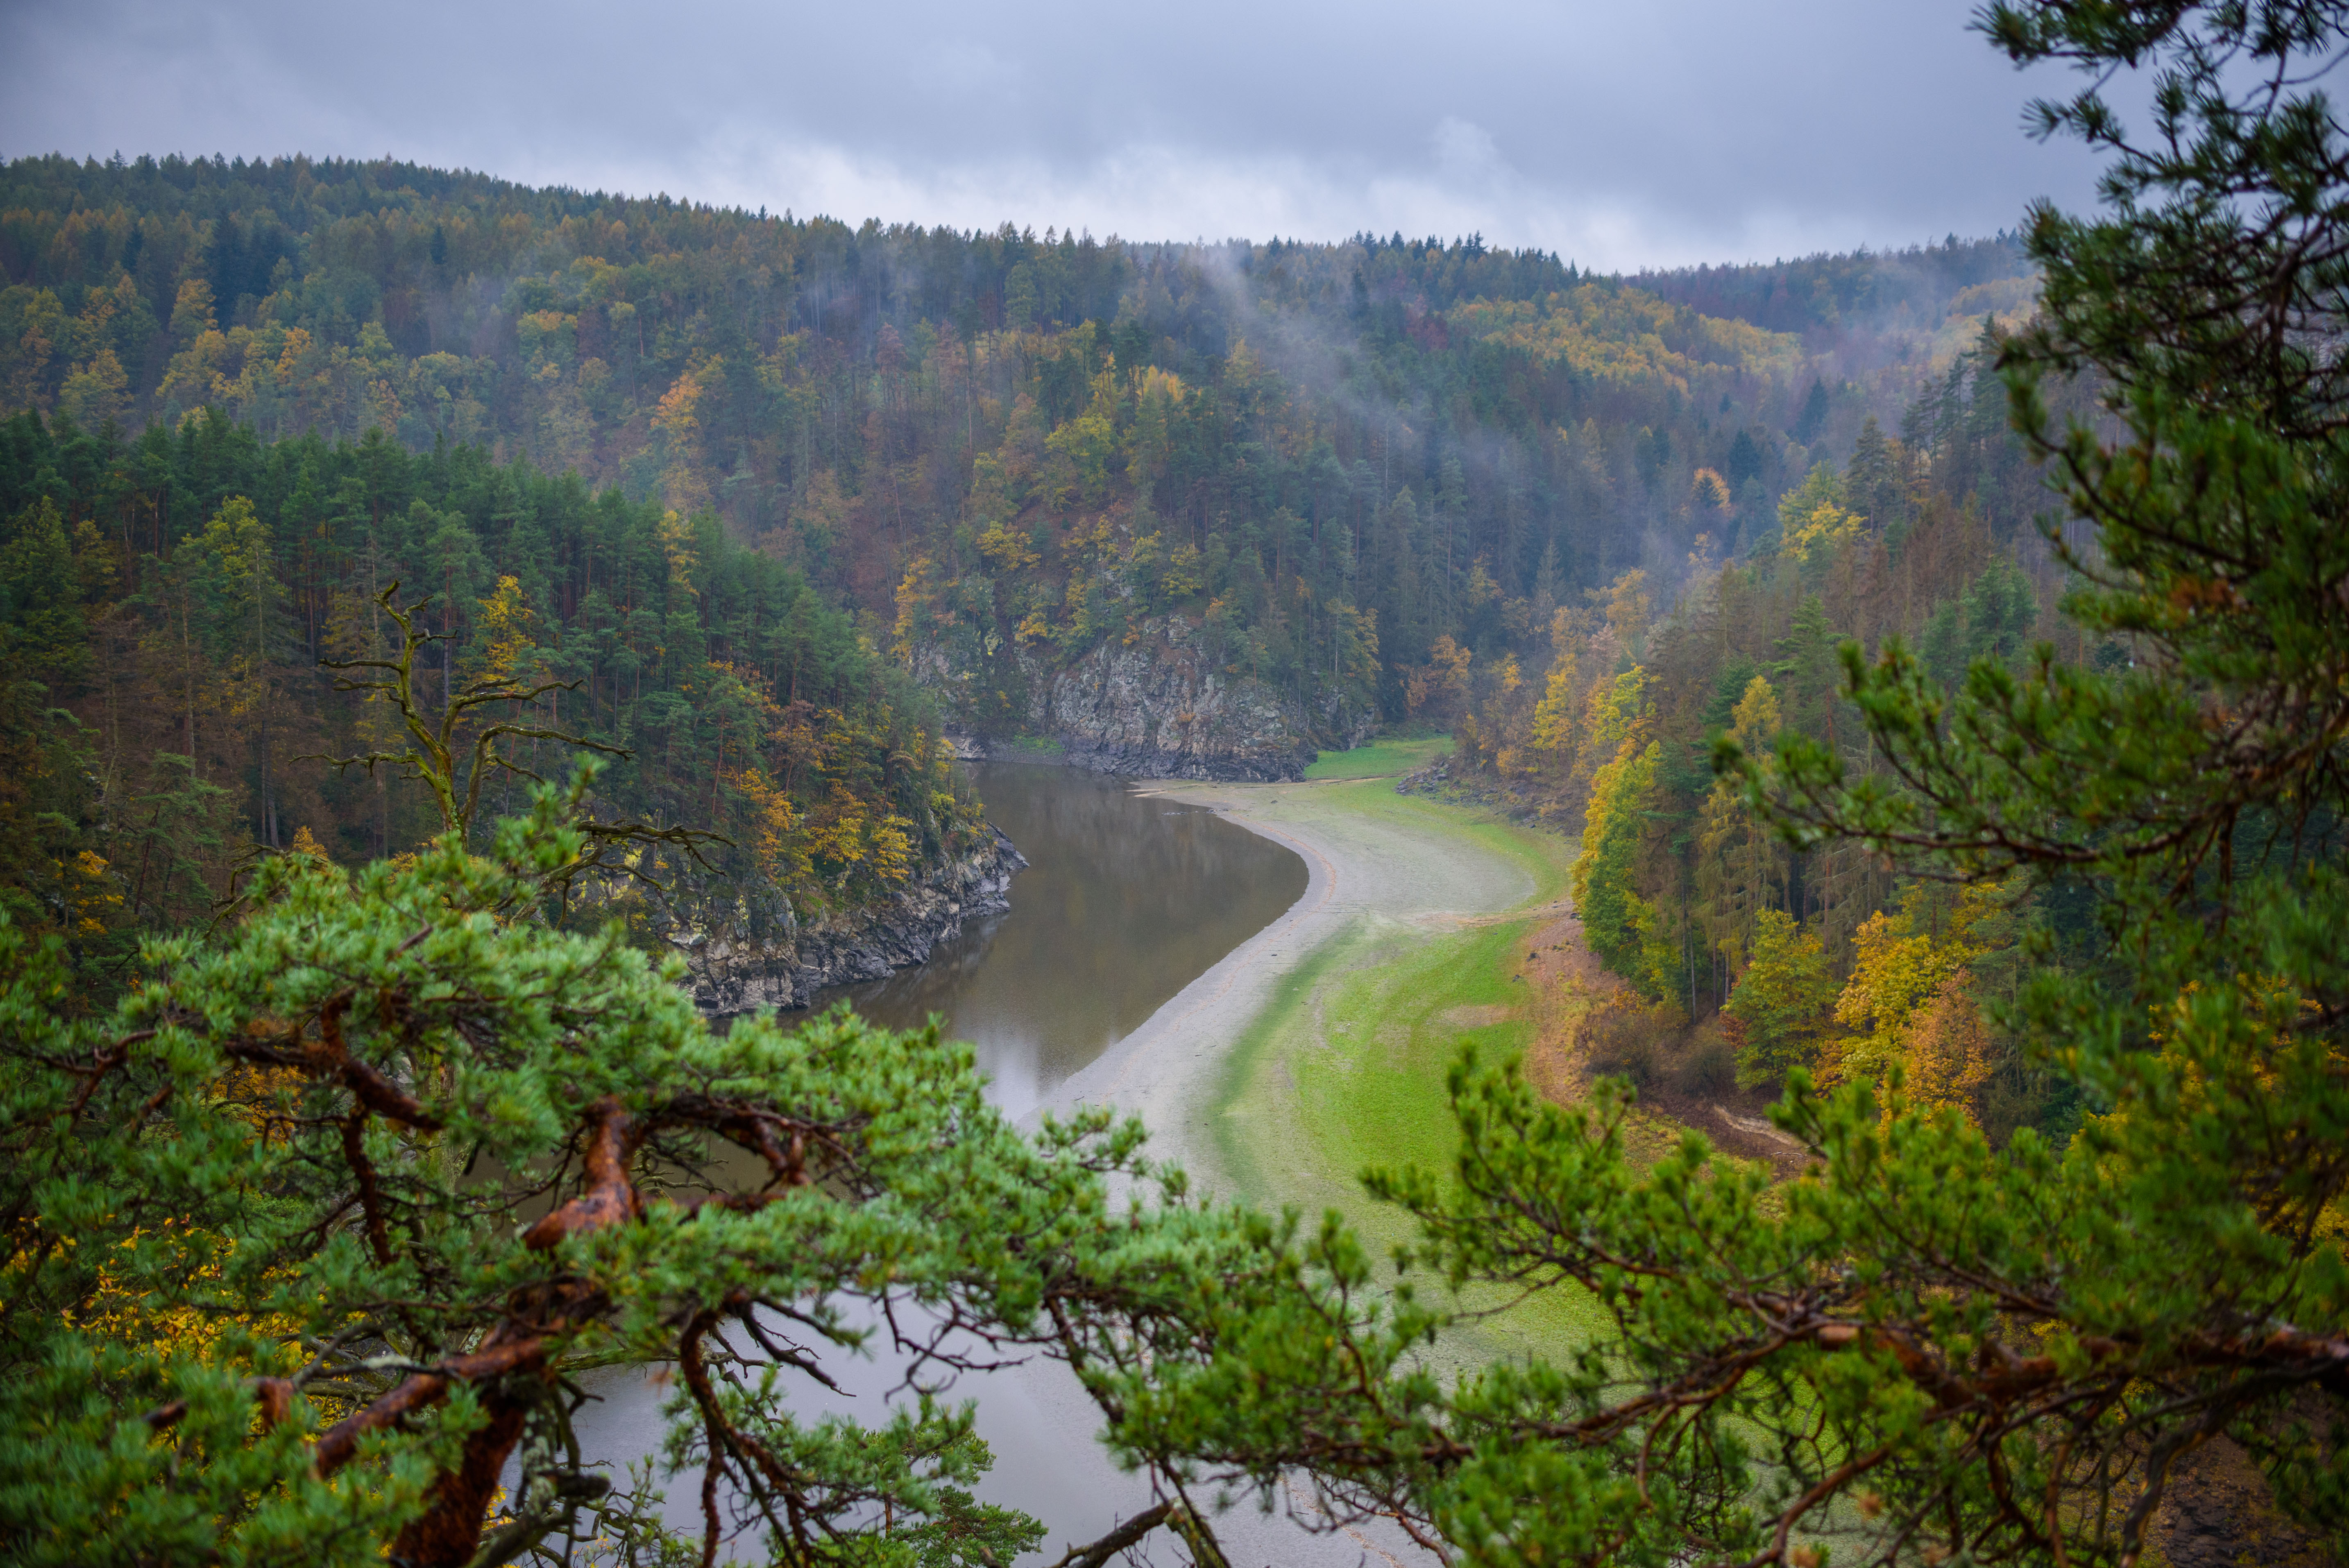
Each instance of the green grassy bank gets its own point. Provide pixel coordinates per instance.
(1381, 760)
(1345, 1068)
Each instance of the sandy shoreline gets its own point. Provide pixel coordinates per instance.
(1412, 870)
(1369, 857)
(1167, 1071)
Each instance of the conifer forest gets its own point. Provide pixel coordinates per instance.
(739, 477)
(446, 622)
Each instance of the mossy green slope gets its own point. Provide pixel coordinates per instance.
(1346, 1067)
(1380, 760)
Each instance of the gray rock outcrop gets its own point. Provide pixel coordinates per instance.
(1156, 708)
(732, 973)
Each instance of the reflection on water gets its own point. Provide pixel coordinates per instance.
(1126, 900)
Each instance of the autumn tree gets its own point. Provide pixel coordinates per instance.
(1780, 1008)
(304, 1238)
(1928, 1348)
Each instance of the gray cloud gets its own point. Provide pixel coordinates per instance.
(1618, 135)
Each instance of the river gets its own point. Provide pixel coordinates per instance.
(1126, 900)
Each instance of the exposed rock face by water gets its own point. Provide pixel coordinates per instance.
(1158, 708)
(732, 973)
(1154, 708)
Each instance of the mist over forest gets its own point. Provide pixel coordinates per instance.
(1397, 482)
(1375, 473)
(1823, 781)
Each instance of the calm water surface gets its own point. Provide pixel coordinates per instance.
(1127, 899)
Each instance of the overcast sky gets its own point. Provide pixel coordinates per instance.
(1619, 133)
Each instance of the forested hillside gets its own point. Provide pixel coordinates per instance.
(1866, 312)
(1345, 447)
(1820, 957)
(1989, 833)
(1367, 480)
(169, 603)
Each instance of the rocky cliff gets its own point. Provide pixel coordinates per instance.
(732, 973)
(1158, 708)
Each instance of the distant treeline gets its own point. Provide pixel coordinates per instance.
(1410, 438)
(1862, 304)
(1385, 477)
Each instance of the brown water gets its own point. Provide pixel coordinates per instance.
(1127, 898)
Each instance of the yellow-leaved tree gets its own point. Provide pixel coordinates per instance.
(1904, 961)
(1949, 1057)
(1554, 733)
(677, 426)
(1742, 866)
(1813, 521)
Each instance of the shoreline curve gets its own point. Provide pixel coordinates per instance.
(1358, 867)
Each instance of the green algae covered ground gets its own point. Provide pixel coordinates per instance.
(1344, 1064)
(1381, 760)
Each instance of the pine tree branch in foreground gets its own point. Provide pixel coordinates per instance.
(347, 1194)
